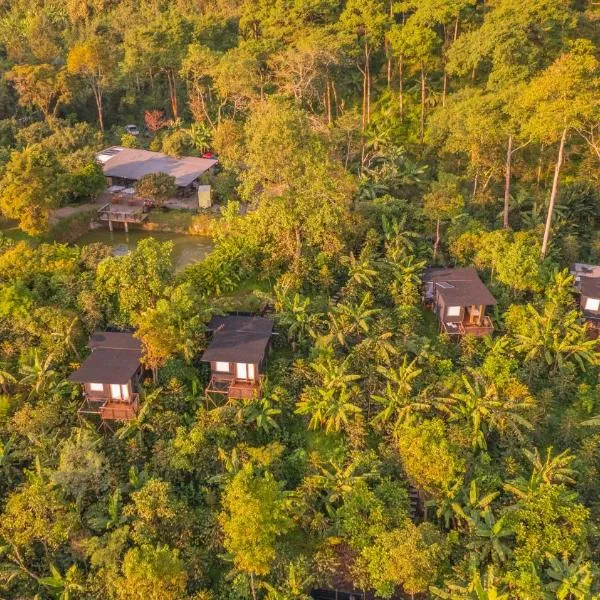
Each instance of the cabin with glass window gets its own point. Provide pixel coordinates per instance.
(236, 354)
(587, 285)
(459, 299)
(111, 376)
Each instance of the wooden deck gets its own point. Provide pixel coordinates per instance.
(109, 410)
(235, 389)
(126, 212)
(466, 328)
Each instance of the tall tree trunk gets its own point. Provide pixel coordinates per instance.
(444, 86)
(475, 184)
(401, 86)
(554, 194)
(252, 586)
(173, 93)
(436, 244)
(368, 76)
(98, 96)
(422, 132)
(509, 153)
(328, 101)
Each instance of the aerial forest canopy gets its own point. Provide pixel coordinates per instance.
(360, 144)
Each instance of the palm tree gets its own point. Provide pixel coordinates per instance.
(294, 587)
(547, 471)
(349, 322)
(485, 408)
(67, 336)
(570, 579)
(397, 401)
(406, 280)
(463, 505)
(476, 589)
(556, 338)
(361, 270)
(336, 479)
(296, 317)
(139, 424)
(39, 375)
(329, 408)
(489, 537)
(64, 587)
(262, 411)
(6, 378)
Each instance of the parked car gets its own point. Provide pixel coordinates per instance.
(132, 130)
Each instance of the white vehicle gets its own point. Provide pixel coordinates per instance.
(132, 130)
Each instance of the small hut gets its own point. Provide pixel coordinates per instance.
(236, 354)
(111, 376)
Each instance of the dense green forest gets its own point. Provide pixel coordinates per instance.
(359, 142)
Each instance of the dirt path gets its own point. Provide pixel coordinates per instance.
(68, 211)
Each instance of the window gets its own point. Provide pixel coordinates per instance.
(125, 392)
(115, 391)
(241, 371)
(453, 311)
(96, 387)
(222, 367)
(592, 304)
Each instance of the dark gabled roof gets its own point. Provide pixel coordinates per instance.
(115, 358)
(460, 286)
(590, 286)
(238, 339)
(115, 340)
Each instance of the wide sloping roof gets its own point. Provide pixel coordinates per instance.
(460, 286)
(590, 287)
(238, 339)
(132, 163)
(115, 358)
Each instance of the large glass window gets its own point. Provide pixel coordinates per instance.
(453, 311)
(222, 367)
(96, 387)
(592, 304)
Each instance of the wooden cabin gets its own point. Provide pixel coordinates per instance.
(459, 299)
(111, 376)
(236, 355)
(587, 285)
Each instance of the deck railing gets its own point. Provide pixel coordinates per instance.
(111, 410)
(486, 327)
(236, 389)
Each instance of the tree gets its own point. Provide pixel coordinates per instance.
(158, 187)
(415, 42)
(155, 120)
(254, 516)
(410, 557)
(153, 573)
(364, 22)
(29, 188)
(561, 98)
(158, 45)
(93, 60)
(43, 86)
(432, 462)
(443, 203)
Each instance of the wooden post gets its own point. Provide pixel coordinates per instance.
(110, 225)
(126, 226)
(480, 314)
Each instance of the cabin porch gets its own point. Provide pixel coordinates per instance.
(233, 388)
(110, 410)
(481, 326)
